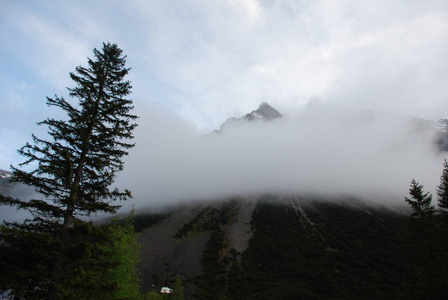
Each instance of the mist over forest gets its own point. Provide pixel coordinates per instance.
(322, 151)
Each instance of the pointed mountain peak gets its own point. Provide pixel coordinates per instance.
(266, 111)
(263, 113)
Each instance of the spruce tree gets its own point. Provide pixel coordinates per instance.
(442, 193)
(422, 210)
(123, 253)
(73, 173)
(178, 290)
(430, 259)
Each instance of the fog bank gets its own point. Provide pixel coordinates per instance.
(365, 154)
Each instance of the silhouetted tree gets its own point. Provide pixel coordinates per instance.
(62, 257)
(423, 211)
(442, 193)
(431, 271)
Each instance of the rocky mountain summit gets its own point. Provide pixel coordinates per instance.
(263, 113)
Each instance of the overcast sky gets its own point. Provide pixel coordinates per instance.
(204, 61)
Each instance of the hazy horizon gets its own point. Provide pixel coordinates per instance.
(195, 63)
(323, 151)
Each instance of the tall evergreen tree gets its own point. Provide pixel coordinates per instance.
(423, 211)
(430, 259)
(123, 252)
(178, 290)
(74, 171)
(442, 193)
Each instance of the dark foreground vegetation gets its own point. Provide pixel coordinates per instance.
(55, 253)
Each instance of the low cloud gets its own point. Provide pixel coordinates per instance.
(366, 154)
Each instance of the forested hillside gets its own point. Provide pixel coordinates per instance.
(298, 248)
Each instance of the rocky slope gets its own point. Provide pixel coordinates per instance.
(282, 247)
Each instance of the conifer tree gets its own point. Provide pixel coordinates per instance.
(122, 252)
(178, 290)
(423, 211)
(73, 174)
(442, 193)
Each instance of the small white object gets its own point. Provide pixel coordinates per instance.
(166, 290)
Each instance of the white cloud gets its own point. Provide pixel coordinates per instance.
(210, 60)
(215, 59)
(325, 151)
(226, 57)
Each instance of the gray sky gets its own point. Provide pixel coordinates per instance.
(202, 61)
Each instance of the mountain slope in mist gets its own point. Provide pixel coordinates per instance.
(16, 190)
(285, 247)
(316, 244)
(323, 150)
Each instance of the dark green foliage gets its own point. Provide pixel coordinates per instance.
(123, 255)
(77, 167)
(216, 259)
(208, 219)
(143, 221)
(422, 210)
(368, 262)
(442, 193)
(178, 290)
(351, 251)
(343, 249)
(194, 224)
(430, 244)
(281, 262)
(152, 296)
(28, 261)
(63, 256)
(212, 283)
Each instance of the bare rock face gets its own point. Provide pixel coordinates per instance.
(176, 245)
(264, 113)
(239, 230)
(164, 257)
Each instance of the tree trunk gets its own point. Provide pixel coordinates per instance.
(69, 212)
